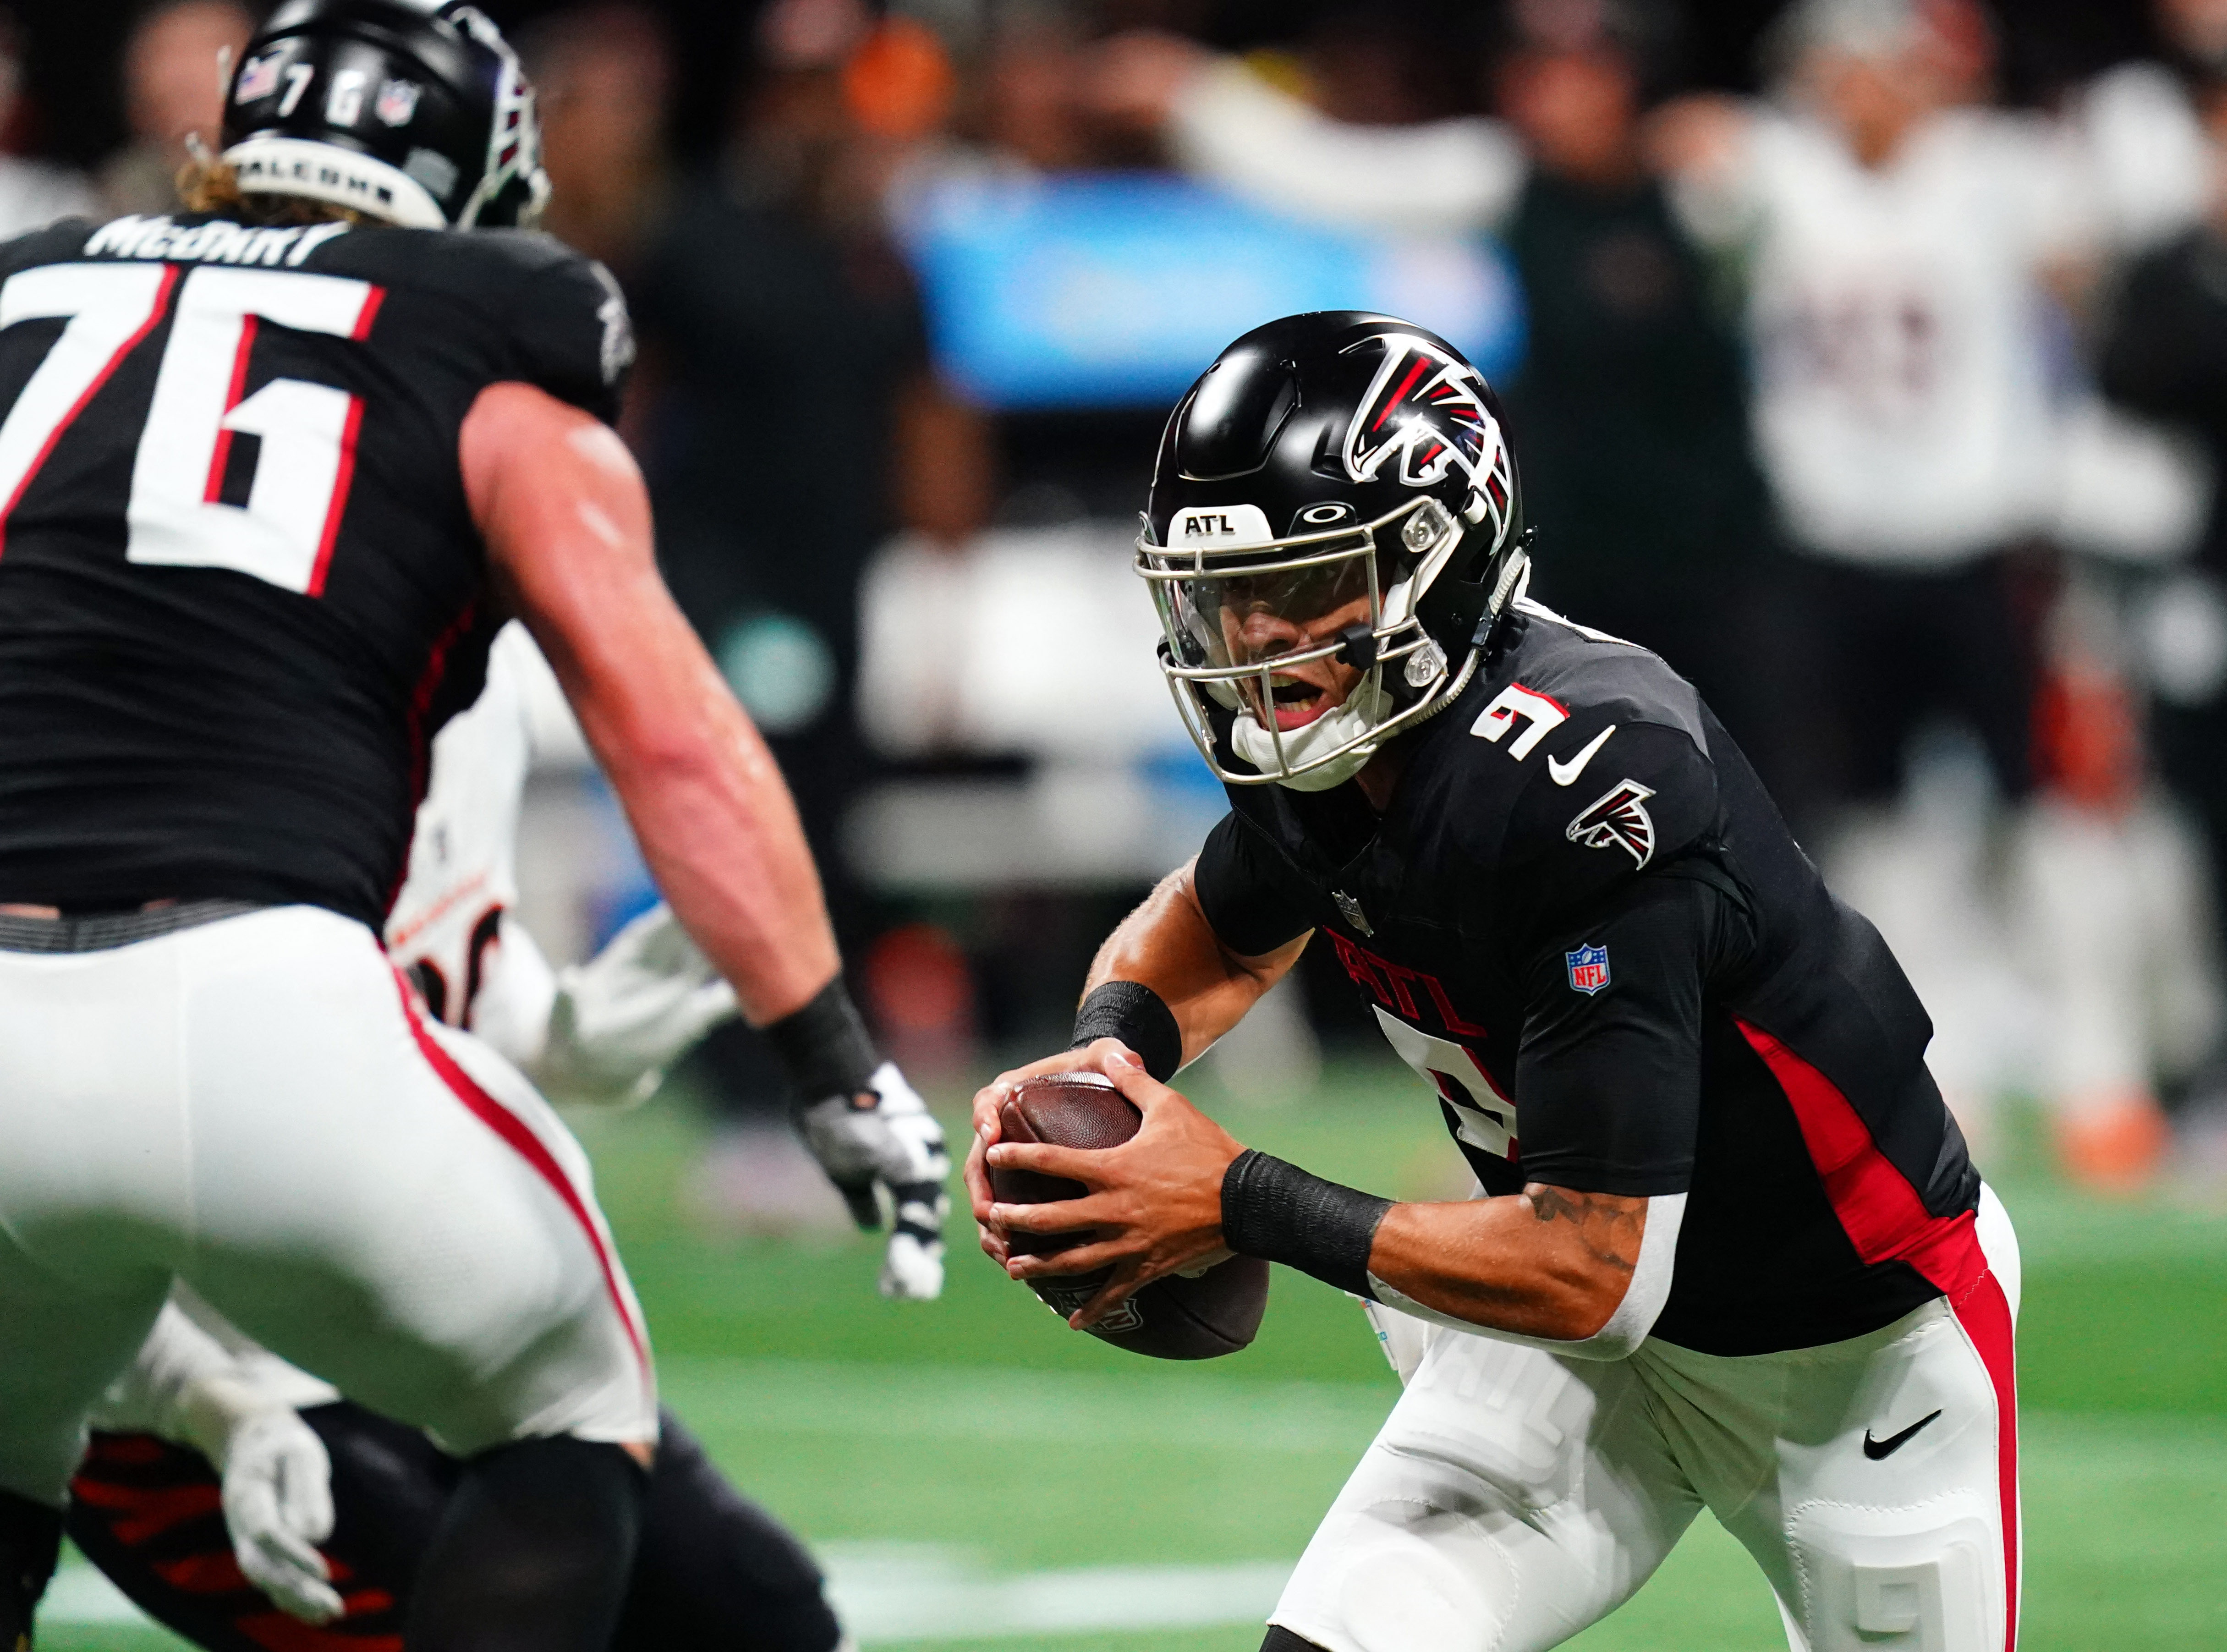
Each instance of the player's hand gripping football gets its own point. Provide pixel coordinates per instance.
(883, 1145)
(1156, 1200)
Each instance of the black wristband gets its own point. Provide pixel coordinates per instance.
(1281, 1214)
(825, 1046)
(1139, 1017)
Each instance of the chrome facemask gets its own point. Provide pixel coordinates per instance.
(1209, 592)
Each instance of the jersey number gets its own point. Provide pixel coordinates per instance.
(285, 533)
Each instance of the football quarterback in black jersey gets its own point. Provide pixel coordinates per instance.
(272, 471)
(1728, 1250)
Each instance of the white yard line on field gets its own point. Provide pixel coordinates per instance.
(888, 1592)
(901, 1591)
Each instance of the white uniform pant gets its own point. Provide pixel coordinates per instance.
(257, 1106)
(1516, 1496)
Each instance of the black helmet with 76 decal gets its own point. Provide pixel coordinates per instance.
(414, 111)
(1338, 486)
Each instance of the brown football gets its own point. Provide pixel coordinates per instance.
(1173, 1318)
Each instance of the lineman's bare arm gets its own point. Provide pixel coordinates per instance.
(566, 518)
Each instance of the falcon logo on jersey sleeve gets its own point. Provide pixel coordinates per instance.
(1588, 968)
(1618, 818)
(1423, 409)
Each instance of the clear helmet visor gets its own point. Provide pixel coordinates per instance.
(1241, 618)
(1302, 637)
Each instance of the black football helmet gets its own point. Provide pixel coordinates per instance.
(1338, 485)
(412, 110)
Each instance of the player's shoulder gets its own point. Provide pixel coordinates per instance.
(62, 241)
(1585, 671)
(560, 315)
(495, 268)
(1586, 753)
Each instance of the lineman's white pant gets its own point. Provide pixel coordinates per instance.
(1516, 1496)
(257, 1106)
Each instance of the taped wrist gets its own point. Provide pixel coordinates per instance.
(1281, 1214)
(1139, 1017)
(825, 1046)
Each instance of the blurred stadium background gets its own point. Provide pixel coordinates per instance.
(917, 284)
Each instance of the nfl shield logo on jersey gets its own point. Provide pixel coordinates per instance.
(1588, 968)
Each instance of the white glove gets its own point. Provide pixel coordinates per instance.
(278, 1504)
(884, 1147)
(621, 1018)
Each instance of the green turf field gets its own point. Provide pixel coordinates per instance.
(976, 1476)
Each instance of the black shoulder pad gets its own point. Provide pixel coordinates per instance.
(1581, 668)
(571, 331)
(49, 244)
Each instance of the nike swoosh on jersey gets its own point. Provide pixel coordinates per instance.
(1566, 774)
(1876, 1448)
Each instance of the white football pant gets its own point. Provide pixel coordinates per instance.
(257, 1107)
(1516, 1496)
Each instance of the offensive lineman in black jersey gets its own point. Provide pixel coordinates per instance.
(1728, 1250)
(271, 474)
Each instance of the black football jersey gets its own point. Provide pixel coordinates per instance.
(1582, 920)
(240, 589)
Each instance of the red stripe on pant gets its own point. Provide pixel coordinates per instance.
(1887, 1222)
(1985, 1315)
(529, 1146)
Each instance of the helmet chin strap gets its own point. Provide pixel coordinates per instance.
(1362, 710)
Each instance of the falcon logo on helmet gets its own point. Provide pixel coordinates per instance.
(1426, 409)
(1619, 819)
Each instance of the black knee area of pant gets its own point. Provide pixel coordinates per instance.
(30, 1541)
(1280, 1639)
(717, 1573)
(533, 1552)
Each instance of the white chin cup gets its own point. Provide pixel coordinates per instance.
(1301, 768)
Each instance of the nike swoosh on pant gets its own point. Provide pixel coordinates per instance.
(1876, 1448)
(1565, 774)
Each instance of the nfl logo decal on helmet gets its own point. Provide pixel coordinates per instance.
(1619, 819)
(1588, 968)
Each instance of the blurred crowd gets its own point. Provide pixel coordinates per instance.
(1886, 413)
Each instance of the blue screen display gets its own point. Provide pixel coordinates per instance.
(1118, 289)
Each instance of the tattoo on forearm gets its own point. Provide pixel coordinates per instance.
(1609, 1227)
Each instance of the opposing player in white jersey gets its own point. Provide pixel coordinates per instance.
(275, 471)
(212, 1448)
(1903, 250)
